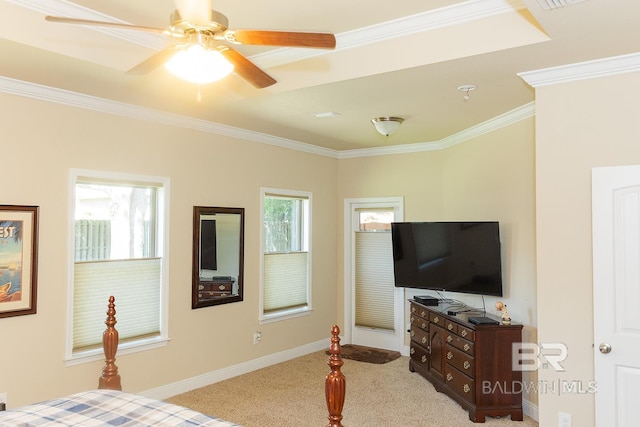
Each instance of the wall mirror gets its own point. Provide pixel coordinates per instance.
(218, 256)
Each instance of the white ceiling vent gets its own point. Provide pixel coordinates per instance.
(557, 4)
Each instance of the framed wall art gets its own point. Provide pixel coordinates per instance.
(18, 259)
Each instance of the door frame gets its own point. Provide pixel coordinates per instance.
(397, 203)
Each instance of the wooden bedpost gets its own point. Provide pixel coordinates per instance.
(335, 383)
(110, 378)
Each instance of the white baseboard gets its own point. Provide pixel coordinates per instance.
(183, 386)
(530, 409)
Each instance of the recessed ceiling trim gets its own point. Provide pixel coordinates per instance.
(72, 10)
(456, 14)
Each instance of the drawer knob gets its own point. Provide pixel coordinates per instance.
(449, 355)
(466, 347)
(413, 350)
(466, 388)
(466, 364)
(436, 320)
(424, 358)
(463, 333)
(423, 313)
(413, 309)
(424, 340)
(221, 287)
(411, 319)
(449, 376)
(449, 338)
(450, 326)
(424, 325)
(413, 333)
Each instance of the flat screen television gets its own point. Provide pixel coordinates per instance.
(448, 256)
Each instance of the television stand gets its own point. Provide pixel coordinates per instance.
(471, 363)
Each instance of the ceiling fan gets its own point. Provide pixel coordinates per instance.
(195, 23)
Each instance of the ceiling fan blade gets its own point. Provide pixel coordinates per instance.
(154, 61)
(197, 12)
(247, 69)
(282, 38)
(64, 20)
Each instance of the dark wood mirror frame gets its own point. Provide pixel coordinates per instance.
(218, 245)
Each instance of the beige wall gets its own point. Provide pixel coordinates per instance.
(488, 178)
(41, 141)
(580, 125)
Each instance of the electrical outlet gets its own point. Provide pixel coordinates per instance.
(257, 337)
(3, 401)
(564, 419)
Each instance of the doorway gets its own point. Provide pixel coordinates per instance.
(374, 307)
(616, 292)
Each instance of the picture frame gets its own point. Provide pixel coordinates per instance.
(18, 260)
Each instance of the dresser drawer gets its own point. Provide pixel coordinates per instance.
(215, 286)
(438, 319)
(419, 311)
(460, 343)
(419, 336)
(461, 361)
(419, 355)
(419, 322)
(466, 333)
(461, 384)
(451, 326)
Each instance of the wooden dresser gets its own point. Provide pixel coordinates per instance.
(470, 363)
(216, 287)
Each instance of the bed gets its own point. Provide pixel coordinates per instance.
(108, 405)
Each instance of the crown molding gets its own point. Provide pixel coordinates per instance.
(491, 125)
(583, 70)
(87, 102)
(102, 105)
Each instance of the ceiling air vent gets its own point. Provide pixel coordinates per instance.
(557, 4)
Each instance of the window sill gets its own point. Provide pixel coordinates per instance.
(96, 354)
(284, 315)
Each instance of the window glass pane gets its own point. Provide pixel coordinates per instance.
(113, 221)
(375, 220)
(283, 224)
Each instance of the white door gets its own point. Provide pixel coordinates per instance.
(373, 305)
(616, 285)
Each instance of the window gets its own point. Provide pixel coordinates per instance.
(118, 249)
(286, 257)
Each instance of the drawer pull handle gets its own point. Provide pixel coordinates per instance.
(411, 319)
(449, 338)
(423, 313)
(413, 350)
(466, 364)
(466, 347)
(413, 333)
(449, 376)
(463, 333)
(449, 355)
(436, 320)
(424, 325)
(424, 358)
(424, 340)
(450, 326)
(466, 388)
(413, 309)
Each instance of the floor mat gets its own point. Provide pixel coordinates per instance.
(367, 354)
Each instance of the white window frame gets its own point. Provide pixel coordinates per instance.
(162, 242)
(296, 312)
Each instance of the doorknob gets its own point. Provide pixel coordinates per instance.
(605, 348)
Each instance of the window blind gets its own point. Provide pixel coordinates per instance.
(134, 283)
(285, 281)
(374, 282)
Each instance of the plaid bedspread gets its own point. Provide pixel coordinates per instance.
(105, 408)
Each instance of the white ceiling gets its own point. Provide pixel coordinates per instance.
(402, 59)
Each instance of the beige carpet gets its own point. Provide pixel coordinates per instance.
(291, 394)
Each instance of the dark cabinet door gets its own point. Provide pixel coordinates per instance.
(437, 347)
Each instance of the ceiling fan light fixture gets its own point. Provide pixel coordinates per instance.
(199, 65)
(387, 125)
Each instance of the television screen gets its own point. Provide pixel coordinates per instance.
(448, 256)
